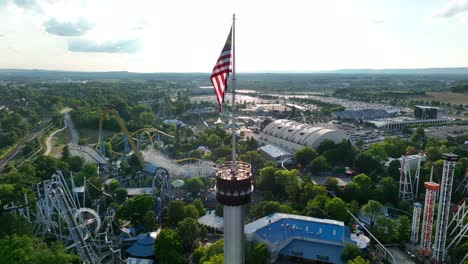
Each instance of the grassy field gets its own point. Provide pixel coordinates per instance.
(91, 136)
(446, 97)
(58, 142)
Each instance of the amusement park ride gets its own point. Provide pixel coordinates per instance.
(451, 223)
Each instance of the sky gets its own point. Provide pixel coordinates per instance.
(271, 35)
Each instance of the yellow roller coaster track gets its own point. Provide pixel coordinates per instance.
(145, 131)
(124, 129)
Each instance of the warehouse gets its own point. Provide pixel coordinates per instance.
(291, 136)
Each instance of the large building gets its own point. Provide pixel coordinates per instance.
(427, 112)
(291, 135)
(302, 237)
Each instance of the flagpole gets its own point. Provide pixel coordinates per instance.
(233, 103)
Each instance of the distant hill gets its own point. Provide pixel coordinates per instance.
(34, 75)
(461, 70)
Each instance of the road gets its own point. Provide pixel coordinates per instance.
(75, 137)
(45, 123)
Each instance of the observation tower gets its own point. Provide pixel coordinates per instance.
(233, 190)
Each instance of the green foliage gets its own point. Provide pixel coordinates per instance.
(204, 254)
(318, 165)
(12, 224)
(367, 163)
(305, 155)
(149, 221)
(256, 253)
(317, 207)
(358, 260)
(188, 231)
(194, 185)
(219, 211)
(404, 229)
(191, 211)
(168, 247)
(113, 185)
(373, 210)
(387, 190)
(135, 208)
(199, 205)
(350, 252)
(337, 209)
(75, 163)
(175, 212)
(25, 250)
(385, 230)
(217, 259)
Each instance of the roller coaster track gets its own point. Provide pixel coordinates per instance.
(100, 146)
(134, 135)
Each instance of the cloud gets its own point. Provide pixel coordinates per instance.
(120, 46)
(70, 29)
(376, 20)
(455, 8)
(28, 4)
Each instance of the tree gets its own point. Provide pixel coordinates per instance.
(135, 208)
(318, 165)
(204, 254)
(120, 194)
(366, 162)
(387, 190)
(194, 185)
(191, 211)
(168, 248)
(332, 185)
(394, 169)
(188, 231)
(89, 171)
(24, 249)
(175, 212)
(94, 186)
(337, 209)
(358, 260)
(351, 192)
(316, 207)
(199, 205)
(256, 253)
(305, 155)
(149, 221)
(219, 211)
(75, 163)
(254, 158)
(65, 154)
(266, 180)
(350, 252)
(385, 230)
(113, 185)
(404, 229)
(363, 182)
(216, 259)
(373, 210)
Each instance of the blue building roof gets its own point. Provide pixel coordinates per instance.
(144, 247)
(149, 168)
(313, 251)
(287, 228)
(301, 236)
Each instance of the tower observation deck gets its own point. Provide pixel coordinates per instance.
(234, 190)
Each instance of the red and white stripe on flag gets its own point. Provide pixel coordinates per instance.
(221, 70)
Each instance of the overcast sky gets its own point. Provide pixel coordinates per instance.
(187, 36)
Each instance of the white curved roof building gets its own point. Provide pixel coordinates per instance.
(292, 135)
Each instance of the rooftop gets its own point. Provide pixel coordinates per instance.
(274, 151)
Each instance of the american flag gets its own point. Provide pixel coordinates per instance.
(221, 70)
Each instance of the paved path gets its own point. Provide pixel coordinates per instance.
(49, 140)
(75, 137)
